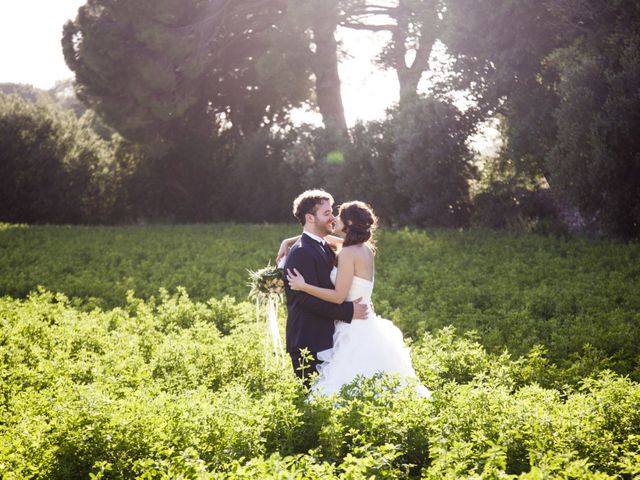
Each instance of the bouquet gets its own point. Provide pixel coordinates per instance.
(266, 282)
(267, 288)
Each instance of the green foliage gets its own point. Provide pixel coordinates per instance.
(98, 265)
(185, 81)
(154, 390)
(576, 298)
(413, 168)
(369, 166)
(27, 92)
(100, 382)
(32, 161)
(432, 162)
(595, 158)
(515, 291)
(53, 167)
(260, 169)
(161, 68)
(206, 89)
(509, 204)
(562, 76)
(64, 96)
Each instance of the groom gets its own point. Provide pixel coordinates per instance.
(310, 321)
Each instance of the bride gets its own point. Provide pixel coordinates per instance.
(359, 348)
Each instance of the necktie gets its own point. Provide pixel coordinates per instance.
(328, 251)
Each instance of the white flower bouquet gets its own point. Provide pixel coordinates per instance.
(267, 289)
(266, 282)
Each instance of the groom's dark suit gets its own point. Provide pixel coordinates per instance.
(309, 319)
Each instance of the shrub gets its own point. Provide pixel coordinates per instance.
(432, 162)
(53, 167)
(153, 390)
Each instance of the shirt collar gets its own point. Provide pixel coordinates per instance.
(318, 239)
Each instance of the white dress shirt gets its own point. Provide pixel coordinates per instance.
(318, 239)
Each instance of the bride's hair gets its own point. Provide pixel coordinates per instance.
(359, 222)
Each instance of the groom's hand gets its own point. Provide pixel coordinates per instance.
(360, 309)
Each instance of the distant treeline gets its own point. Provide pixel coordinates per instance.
(200, 96)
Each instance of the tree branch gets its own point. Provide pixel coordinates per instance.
(362, 26)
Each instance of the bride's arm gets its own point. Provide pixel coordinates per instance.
(286, 244)
(334, 241)
(344, 278)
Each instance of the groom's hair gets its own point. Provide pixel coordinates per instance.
(307, 202)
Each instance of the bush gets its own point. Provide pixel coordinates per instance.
(53, 167)
(577, 298)
(594, 161)
(369, 168)
(432, 162)
(504, 204)
(262, 181)
(153, 390)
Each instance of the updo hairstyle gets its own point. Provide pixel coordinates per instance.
(359, 222)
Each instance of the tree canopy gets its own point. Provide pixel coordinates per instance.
(201, 93)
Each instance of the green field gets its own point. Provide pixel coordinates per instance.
(132, 352)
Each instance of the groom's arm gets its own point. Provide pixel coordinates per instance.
(305, 264)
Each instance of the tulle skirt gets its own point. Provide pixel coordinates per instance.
(365, 347)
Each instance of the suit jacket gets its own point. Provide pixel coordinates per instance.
(310, 321)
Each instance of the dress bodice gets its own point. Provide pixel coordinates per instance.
(360, 287)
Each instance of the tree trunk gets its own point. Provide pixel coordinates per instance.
(409, 75)
(329, 96)
(402, 21)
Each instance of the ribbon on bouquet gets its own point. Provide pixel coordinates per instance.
(267, 287)
(271, 303)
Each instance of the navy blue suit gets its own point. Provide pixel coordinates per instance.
(310, 321)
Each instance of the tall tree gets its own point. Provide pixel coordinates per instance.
(595, 159)
(325, 66)
(180, 75)
(319, 19)
(564, 74)
(414, 27)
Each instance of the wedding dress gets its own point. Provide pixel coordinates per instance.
(364, 347)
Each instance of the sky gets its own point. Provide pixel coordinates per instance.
(30, 33)
(36, 27)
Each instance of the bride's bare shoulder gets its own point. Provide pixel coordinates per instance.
(349, 251)
(360, 250)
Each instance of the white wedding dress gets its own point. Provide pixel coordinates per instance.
(364, 347)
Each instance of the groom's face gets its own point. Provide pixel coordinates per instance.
(323, 220)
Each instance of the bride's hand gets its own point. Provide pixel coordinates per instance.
(296, 280)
